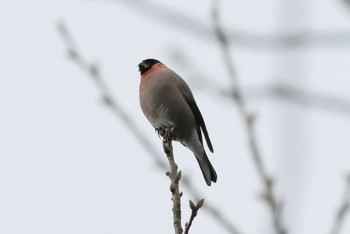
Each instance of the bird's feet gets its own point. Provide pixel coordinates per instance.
(168, 134)
(160, 132)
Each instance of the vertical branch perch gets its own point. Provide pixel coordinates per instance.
(248, 120)
(174, 177)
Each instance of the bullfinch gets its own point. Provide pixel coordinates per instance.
(167, 102)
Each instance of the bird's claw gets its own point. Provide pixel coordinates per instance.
(160, 132)
(169, 134)
(172, 132)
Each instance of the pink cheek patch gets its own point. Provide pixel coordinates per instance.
(155, 67)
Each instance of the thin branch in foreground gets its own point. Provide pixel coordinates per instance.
(174, 177)
(92, 70)
(248, 120)
(194, 209)
(343, 208)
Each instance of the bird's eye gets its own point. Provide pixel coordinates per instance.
(145, 65)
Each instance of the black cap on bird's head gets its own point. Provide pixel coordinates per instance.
(146, 64)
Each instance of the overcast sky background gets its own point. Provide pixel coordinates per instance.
(68, 165)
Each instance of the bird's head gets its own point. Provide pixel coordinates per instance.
(146, 64)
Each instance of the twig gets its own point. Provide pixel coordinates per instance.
(92, 70)
(248, 120)
(174, 177)
(343, 208)
(194, 209)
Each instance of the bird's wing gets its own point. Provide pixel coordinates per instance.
(186, 92)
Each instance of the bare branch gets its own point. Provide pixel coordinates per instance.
(194, 209)
(248, 120)
(174, 177)
(343, 208)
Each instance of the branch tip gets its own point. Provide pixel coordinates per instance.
(178, 177)
(192, 205)
(200, 203)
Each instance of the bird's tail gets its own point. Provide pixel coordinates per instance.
(207, 169)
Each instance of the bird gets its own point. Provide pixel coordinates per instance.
(168, 103)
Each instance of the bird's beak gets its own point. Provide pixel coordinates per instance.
(143, 65)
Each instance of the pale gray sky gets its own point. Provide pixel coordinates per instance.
(68, 165)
